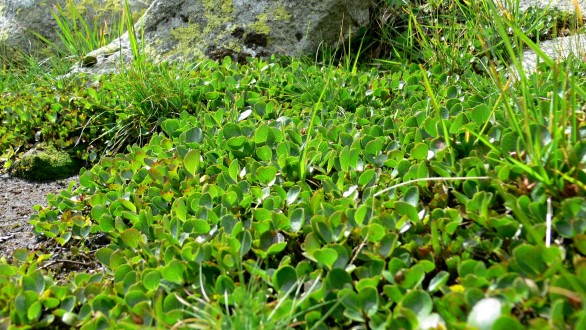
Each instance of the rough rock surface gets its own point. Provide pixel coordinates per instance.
(558, 48)
(193, 29)
(563, 5)
(44, 163)
(18, 18)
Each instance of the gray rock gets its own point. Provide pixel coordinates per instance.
(563, 5)
(44, 163)
(19, 18)
(188, 30)
(557, 49)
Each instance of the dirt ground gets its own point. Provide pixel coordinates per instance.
(17, 198)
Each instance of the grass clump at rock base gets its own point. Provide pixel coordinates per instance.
(313, 196)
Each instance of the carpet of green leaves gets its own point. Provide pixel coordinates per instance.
(426, 195)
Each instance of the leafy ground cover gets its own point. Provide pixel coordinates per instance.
(282, 193)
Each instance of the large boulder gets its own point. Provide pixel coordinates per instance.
(20, 20)
(192, 29)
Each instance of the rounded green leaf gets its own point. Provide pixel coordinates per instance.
(131, 237)
(134, 297)
(191, 161)
(237, 142)
(507, 322)
(285, 278)
(231, 130)
(337, 279)
(34, 311)
(264, 153)
(480, 113)
(366, 177)
(261, 134)
(369, 300)
(373, 147)
(439, 280)
(173, 272)
(404, 208)
(193, 134)
(297, 219)
(419, 302)
(276, 248)
(266, 174)
(419, 151)
(103, 256)
(151, 279)
(292, 194)
(326, 256)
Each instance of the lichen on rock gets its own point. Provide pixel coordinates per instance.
(180, 30)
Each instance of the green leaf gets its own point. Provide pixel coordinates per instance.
(234, 170)
(480, 114)
(276, 248)
(338, 278)
(419, 302)
(507, 322)
(103, 255)
(192, 135)
(261, 134)
(292, 194)
(285, 278)
(231, 130)
(439, 280)
(264, 153)
(34, 311)
(345, 159)
(413, 277)
(131, 237)
(192, 160)
(369, 300)
(297, 219)
(266, 174)
(530, 259)
(349, 299)
(151, 279)
(419, 151)
(134, 297)
(366, 177)
(179, 207)
(326, 256)
(580, 243)
(373, 147)
(7, 270)
(170, 126)
(404, 208)
(201, 226)
(173, 272)
(237, 142)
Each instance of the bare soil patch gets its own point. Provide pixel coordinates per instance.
(17, 198)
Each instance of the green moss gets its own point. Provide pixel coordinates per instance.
(45, 163)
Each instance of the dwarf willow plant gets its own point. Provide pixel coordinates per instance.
(311, 196)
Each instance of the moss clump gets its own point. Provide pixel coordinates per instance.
(45, 163)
